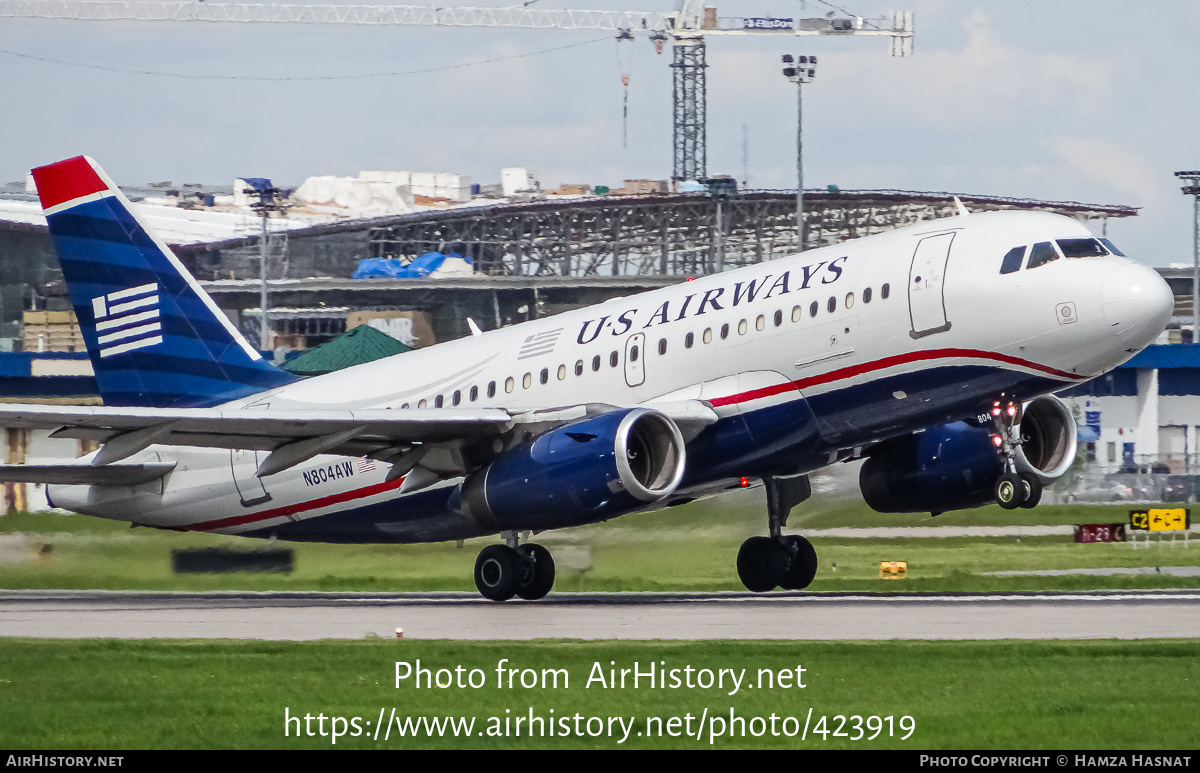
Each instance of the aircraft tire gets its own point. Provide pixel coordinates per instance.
(1009, 491)
(803, 567)
(538, 577)
(1031, 490)
(761, 562)
(498, 572)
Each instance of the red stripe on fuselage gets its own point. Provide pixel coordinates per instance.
(66, 180)
(299, 507)
(887, 362)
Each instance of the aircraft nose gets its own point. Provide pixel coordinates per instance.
(1137, 303)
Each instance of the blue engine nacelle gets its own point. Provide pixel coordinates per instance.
(590, 470)
(955, 466)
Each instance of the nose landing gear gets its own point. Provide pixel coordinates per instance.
(504, 571)
(764, 563)
(1012, 489)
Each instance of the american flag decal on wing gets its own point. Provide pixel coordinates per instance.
(127, 319)
(539, 343)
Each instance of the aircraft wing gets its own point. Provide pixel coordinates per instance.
(292, 434)
(307, 431)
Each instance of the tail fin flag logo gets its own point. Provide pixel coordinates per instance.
(131, 315)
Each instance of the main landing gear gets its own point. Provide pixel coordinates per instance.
(504, 571)
(1012, 489)
(790, 562)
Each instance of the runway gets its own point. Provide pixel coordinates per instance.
(798, 616)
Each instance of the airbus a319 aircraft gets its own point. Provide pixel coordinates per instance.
(931, 350)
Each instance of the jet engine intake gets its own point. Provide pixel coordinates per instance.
(586, 471)
(955, 466)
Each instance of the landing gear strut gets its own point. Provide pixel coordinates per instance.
(1012, 489)
(504, 571)
(764, 563)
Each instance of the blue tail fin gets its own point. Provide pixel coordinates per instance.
(154, 336)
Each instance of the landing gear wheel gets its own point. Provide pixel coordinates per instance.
(1009, 491)
(498, 572)
(803, 563)
(538, 577)
(761, 563)
(1032, 490)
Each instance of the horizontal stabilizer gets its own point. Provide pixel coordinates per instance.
(84, 474)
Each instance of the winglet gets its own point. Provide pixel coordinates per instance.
(962, 211)
(475, 331)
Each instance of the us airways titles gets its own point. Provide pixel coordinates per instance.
(718, 299)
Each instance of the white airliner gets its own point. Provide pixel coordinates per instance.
(931, 350)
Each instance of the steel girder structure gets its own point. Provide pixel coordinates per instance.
(676, 235)
(688, 101)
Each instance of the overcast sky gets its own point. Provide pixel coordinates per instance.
(1084, 101)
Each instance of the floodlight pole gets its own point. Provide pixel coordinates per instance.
(266, 204)
(1193, 189)
(800, 70)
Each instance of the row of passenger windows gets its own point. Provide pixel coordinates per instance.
(1044, 252)
(614, 358)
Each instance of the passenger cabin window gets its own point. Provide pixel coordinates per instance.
(812, 309)
(438, 401)
(509, 384)
(562, 372)
(1081, 248)
(662, 346)
(545, 376)
(491, 389)
(596, 362)
(474, 393)
(867, 295)
(688, 340)
(457, 397)
(1012, 260)
(579, 367)
(1041, 254)
(885, 291)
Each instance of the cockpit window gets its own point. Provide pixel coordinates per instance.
(1012, 260)
(1081, 248)
(1042, 253)
(1112, 247)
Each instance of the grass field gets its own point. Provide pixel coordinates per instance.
(986, 695)
(58, 694)
(692, 547)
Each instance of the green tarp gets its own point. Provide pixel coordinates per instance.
(356, 346)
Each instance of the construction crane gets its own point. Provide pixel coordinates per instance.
(686, 28)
